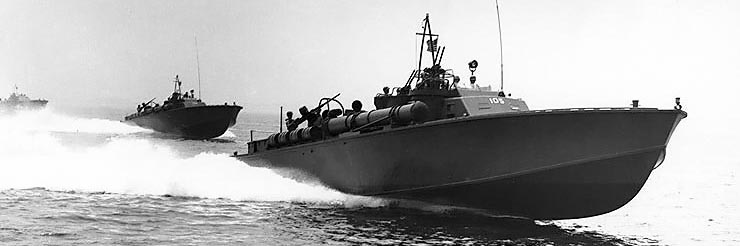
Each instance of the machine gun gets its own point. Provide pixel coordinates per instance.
(306, 114)
(150, 101)
(144, 106)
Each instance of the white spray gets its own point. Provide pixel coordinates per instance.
(31, 155)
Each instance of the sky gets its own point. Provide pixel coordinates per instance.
(264, 54)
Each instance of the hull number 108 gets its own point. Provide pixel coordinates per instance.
(496, 100)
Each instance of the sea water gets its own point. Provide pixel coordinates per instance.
(88, 179)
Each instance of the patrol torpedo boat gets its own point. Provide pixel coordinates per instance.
(437, 141)
(185, 116)
(19, 101)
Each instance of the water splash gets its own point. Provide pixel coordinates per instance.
(31, 156)
(228, 134)
(48, 121)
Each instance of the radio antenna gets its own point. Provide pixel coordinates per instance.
(501, 46)
(197, 61)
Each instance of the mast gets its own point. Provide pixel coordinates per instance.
(281, 119)
(197, 62)
(423, 37)
(501, 46)
(432, 46)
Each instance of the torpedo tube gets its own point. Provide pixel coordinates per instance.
(416, 112)
(294, 136)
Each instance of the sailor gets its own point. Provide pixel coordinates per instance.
(357, 106)
(334, 113)
(303, 111)
(314, 119)
(472, 83)
(289, 122)
(187, 95)
(192, 93)
(455, 80)
(386, 92)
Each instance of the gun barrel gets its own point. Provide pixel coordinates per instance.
(326, 102)
(315, 110)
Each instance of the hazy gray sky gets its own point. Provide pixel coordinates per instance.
(265, 53)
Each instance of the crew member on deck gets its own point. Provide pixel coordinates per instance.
(357, 106)
(472, 83)
(289, 121)
(313, 118)
(386, 92)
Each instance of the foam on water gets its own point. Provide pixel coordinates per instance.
(227, 134)
(30, 156)
(48, 121)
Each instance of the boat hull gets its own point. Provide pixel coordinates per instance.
(536, 164)
(199, 122)
(26, 105)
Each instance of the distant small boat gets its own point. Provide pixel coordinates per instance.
(185, 116)
(19, 101)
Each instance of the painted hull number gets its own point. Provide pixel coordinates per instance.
(496, 100)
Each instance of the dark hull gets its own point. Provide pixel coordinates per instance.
(26, 105)
(541, 165)
(200, 122)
